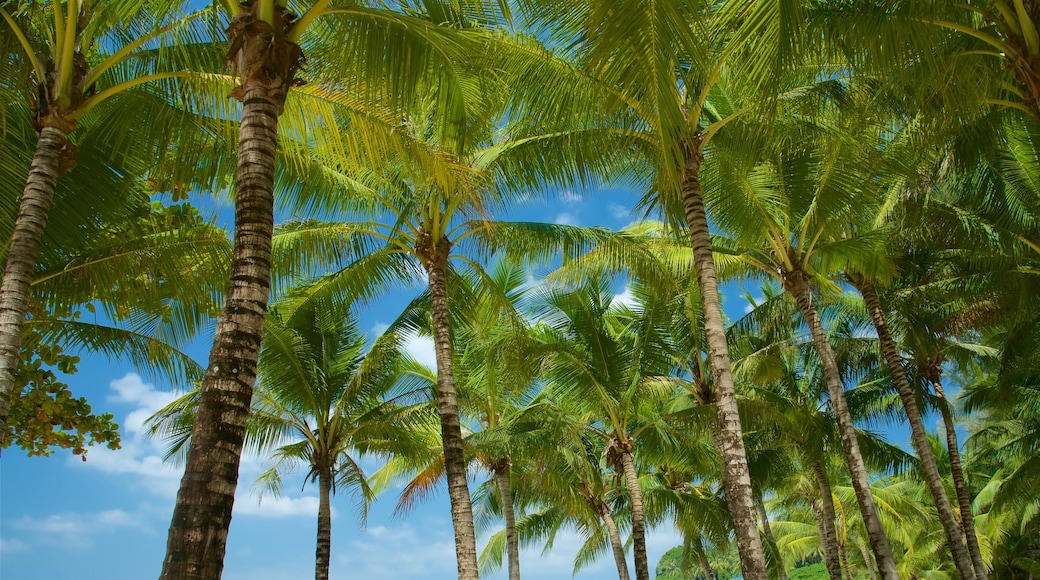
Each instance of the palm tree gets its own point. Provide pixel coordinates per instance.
(66, 90)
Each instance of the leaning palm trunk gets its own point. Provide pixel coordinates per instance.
(435, 259)
(638, 525)
(957, 471)
(51, 150)
(512, 544)
(767, 530)
(797, 283)
(919, 437)
(865, 553)
(267, 62)
(825, 521)
(702, 561)
(729, 438)
(323, 551)
(616, 546)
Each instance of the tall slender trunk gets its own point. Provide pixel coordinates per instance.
(960, 484)
(845, 561)
(729, 438)
(863, 551)
(638, 525)
(828, 535)
(797, 283)
(51, 149)
(615, 541)
(202, 513)
(323, 551)
(435, 260)
(763, 515)
(918, 436)
(702, 561)
(512, 544)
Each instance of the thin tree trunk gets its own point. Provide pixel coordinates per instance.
(918, 436)
(960, 484)
(828, 535)
(323, 552)
(702, 561)
(866, 558)
(763, 515)
(729, 438)
(615, 541)
(797, 283)
(435, 260)
(638, 525)
(512, 544)
(51, 148)
(845, 561)
(202, 512)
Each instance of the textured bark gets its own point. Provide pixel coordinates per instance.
(434, 254)
(512, 544)
(729, 438)
(863, 551)
(323, 551)
(845, 561)
(825, 523)
(202, 512)
(638, 525)
(918, 435)
(615, 542)
(51, 149)
(702, 561)
(960, 484)
(797, 283)
(763, 515)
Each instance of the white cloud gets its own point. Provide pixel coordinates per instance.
(421, 348)
(626, 298)
(619, 211)
(752, 303)
(401, 551)
(277, 507)
(565, 219)
(11, 546)
(76, 530)
(570, 197)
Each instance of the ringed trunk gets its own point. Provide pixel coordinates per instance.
(638, 524)
(729, 437)
(702, 561)
(615, 541)
(52, 148)
(918, 436)
(323, 551)
(828, 535)
(267, 63)
(760, 505)
(435, 260)
(797, 283)
(865, 553)
(960, 484)
(512, 544)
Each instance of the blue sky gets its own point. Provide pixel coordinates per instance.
(106, 518)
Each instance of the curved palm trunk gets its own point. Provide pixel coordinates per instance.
(729, 438)
(615, 541)
(825, 522)
(435, 260)
(845, 562)
(512, 544)
(918, 436)
(323, 552)
(865, 553)
(202, 513)
(959, 482)
(763, 515)
(638, 523)
(797, 283)
(702, 561)
(51, 149)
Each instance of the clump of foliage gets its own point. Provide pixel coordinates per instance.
(679, 564)
(817, 571)
(44, 413)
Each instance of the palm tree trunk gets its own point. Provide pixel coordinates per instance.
(918, 436)
(729, 438)
(51, 149)
(760, 505)
(797, 283)
(702, 561)
(845, 561)
(866, 558)
(615, 541)
(825, 515)
(323, 552)
(960, 484)
(512, 544)
(638, 525)
(435, 260)
(202, 512)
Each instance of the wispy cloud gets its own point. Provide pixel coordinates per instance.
(565, 219)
